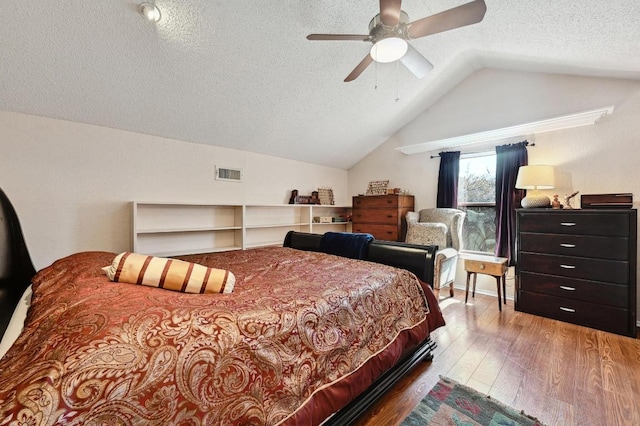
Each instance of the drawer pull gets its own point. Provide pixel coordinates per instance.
(562, 308)
(567, 245)
(564, 287)
(567, 267)
(568, 223)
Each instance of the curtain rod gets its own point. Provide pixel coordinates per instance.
(478, 152)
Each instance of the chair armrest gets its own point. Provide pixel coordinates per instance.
(446, 254)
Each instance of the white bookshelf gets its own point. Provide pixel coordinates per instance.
(171, 229)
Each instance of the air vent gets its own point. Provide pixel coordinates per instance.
(228, 174)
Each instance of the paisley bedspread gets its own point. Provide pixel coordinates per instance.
(301, 334)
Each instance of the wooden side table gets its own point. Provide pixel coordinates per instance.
(488, 265)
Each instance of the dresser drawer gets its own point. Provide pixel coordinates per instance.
(608, 318)
(614, 225)
(482, 267)
(379, 215)
(380, 232)
(613, 271)
(615, 248)
(377, 201)
(571, 288)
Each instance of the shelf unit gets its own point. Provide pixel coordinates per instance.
(172, 229)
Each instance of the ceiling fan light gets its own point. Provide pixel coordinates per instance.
(389, 49)
(150, 11)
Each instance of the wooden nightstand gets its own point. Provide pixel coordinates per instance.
(488, 265)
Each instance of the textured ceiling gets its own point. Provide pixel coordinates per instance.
(241, 73)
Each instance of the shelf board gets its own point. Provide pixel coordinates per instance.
(195, 251)
(265, 244)
(175, 230)
(279, 225)
(183, 204)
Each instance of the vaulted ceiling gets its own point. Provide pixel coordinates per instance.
(241, 74)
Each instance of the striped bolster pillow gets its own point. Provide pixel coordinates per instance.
(170, 274)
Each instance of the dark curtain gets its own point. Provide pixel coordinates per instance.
(509, 158)
(448, 179)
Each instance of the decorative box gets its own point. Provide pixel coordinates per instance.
(606, 201)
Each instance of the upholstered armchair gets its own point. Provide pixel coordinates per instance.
(441, 227)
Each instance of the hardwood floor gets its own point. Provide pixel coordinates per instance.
(561, 373)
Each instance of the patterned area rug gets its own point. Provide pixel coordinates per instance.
(450, 403)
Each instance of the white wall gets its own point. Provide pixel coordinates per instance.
(486, 100)
(602, 158)
(72, 183)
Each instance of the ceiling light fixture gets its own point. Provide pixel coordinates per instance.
(150, 11)
(389, 49)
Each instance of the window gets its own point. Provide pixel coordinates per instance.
(477, 197)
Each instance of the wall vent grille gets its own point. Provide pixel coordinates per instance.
(228, 174)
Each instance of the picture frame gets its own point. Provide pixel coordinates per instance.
(377, 187)
(326, 196)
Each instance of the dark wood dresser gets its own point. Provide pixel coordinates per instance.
(578, 266)
(383, 216)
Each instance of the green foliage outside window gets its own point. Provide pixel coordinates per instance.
(476, 196)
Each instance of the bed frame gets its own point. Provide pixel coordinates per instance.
(415, 258)
(16, 268)
(16, 272)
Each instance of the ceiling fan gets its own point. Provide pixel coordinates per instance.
(390, 31)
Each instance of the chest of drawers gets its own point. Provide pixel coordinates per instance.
(578, 266)
(383, 216)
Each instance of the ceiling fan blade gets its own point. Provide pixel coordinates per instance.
(467, 14)
(416, 63)
(390, 12)
(338, 37)
(359, 68)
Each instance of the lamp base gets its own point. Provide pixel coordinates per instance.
(535, 201)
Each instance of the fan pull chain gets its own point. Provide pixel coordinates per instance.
(376, 85)
(397, 82)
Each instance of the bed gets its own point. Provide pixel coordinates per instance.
(305, 337)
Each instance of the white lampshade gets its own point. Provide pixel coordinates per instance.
(389, 49)
(535, 178)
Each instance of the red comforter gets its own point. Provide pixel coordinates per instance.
(301, 334)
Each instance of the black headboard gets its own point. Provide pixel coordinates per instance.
(415, 258)
(16, 268)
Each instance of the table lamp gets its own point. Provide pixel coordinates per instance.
(534, 178)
